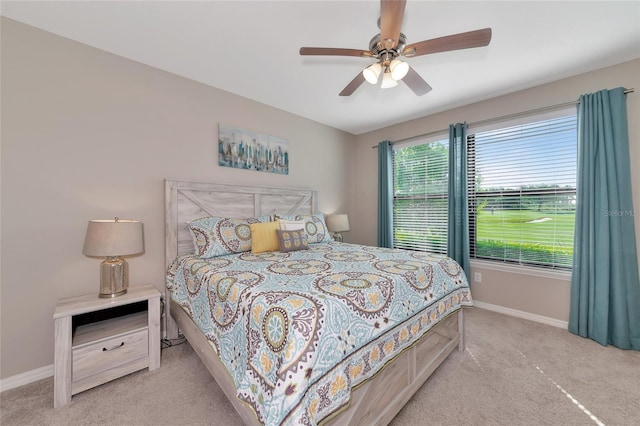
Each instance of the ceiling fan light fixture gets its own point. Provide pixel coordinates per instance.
(372, 72)
(389, 46)
(398, 69)
(388, 81)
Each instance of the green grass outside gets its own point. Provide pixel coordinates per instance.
(514, 235)
(518, 235)
(518, 225)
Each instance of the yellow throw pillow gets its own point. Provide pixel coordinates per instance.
(264, 237)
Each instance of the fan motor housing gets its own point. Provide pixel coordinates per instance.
(377, 47)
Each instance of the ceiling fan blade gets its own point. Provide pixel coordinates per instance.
(477, 38)
(353, 85)
(416, 83)
(391, 14)
(335, 51)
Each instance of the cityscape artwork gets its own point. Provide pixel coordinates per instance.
(249, 150)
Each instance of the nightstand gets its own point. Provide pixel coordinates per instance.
(98, 340)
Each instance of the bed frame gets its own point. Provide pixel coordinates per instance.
(374, 402)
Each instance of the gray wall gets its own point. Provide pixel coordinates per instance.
(546, 295)
(89, 135)
(86, 135)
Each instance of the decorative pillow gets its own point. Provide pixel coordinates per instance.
(314, 225)
(264, 237)
(292, 240)
(291, 225)
(316, 228)
(217, 236)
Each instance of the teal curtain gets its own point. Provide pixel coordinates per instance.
(605, 289)
(458, 198)
(385, 195)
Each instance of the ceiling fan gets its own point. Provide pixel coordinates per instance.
(390, 44)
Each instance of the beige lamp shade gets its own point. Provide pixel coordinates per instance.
(114, 237)
(338, 222)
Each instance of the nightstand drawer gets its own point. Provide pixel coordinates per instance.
(107, 354)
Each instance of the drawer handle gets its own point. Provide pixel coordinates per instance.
(115, 347)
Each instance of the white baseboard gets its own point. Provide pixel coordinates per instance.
(521, 314)
(47, 371)
(26, 378)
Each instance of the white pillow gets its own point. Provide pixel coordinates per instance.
(291, 225)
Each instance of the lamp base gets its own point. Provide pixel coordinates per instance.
(337, 236)
(114, 277)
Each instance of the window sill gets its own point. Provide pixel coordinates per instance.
(522, 270)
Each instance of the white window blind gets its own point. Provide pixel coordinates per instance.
(420, 182)
(522, 188)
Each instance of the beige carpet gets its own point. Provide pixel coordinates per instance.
(514, 372)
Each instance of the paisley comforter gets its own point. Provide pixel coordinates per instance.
(298, 330)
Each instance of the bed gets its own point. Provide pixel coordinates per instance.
(335, 334)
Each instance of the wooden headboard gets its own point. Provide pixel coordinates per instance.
(186, 201)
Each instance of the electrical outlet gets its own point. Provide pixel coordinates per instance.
(477, 277)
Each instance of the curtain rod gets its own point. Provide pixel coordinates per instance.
(504, 117)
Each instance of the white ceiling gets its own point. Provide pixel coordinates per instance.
(250, 48)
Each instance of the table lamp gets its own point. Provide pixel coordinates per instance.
(112, 239)
(337, 223)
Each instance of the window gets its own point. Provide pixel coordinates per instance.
(420, 179)
(522, 192)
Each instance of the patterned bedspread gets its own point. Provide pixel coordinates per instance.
(298, 330)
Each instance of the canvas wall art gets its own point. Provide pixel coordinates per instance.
(249, 150)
